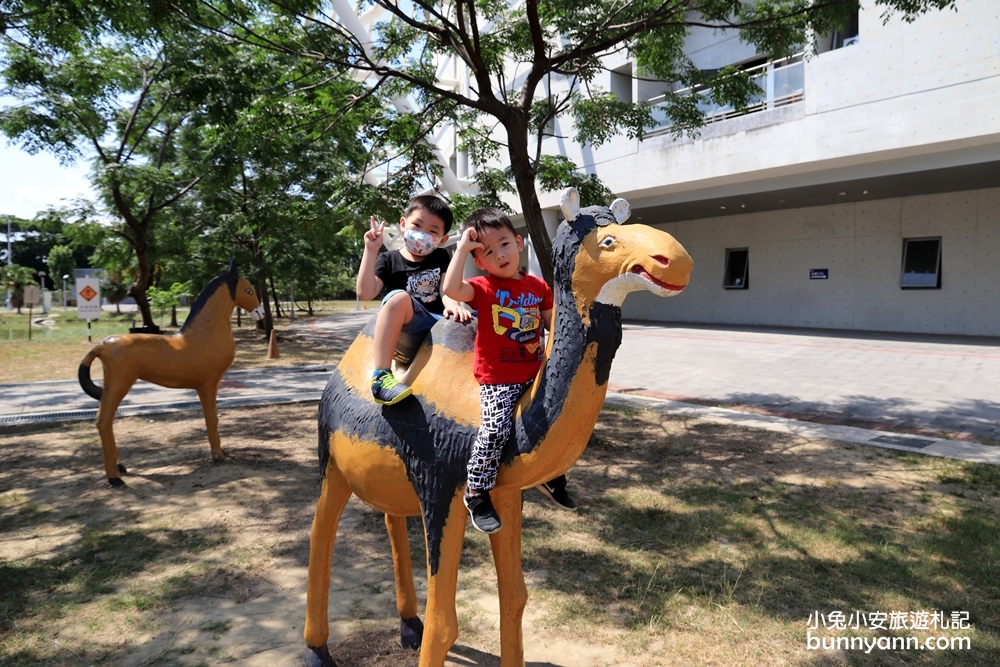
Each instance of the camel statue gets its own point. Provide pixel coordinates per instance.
(410, 459)
(196, 357)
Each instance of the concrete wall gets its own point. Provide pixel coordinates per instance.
(861, 246)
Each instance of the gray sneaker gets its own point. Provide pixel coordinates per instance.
(388, 391)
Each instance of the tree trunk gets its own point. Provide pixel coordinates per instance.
(277, 302)
(309, 305)
(173, 316)
(138, 290)
(268, 323)
(144, 278)
(138, 239)
(524, 180)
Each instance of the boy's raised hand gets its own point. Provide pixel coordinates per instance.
(373, 237)
(468, 242)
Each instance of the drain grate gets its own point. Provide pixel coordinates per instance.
(903, 441)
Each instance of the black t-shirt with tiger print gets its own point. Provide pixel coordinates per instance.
(421, 279)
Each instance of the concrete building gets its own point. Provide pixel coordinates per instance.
(862, 194)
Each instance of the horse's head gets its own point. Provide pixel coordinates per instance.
(244, 295)
(603, 260)
(246, 298)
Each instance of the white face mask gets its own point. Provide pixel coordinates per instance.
(420, 243)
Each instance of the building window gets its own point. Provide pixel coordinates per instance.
(921, 264)
(846, 35)
(621, 83)
(737, 268)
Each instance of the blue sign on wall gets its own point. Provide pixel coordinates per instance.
(819, 274)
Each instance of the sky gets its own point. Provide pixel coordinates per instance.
(32, 183)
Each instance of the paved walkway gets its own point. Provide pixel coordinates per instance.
(931, 384)
(933, 394)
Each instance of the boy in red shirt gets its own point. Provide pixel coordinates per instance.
(512, 308)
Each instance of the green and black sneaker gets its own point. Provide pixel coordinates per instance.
(387, 391)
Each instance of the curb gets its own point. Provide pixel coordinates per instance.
(155, 408)
(951, 449)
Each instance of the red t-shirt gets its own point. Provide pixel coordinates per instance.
(508, 341)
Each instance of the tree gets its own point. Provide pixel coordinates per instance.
(14, 277)
(35, 239)
(514, 51)
(115, 289)
(161, 299)
(61, 263)
(282, 183)
(120, 102)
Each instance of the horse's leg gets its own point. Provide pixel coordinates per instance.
(442, 620)
(506, 545)
(207, 394)
(332, 498)
(410, 628)
(114, 391)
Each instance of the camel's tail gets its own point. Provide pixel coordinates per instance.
(88, 385)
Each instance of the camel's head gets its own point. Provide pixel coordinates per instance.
(603, 259)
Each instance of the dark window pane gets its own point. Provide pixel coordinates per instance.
(737, 269)
(921, 263)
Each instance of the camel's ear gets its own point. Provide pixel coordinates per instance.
(621, 210)
(232, 267)
(570, 204)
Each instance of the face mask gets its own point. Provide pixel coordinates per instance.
(420, 243)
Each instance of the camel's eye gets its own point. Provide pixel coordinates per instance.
(608, 242)
(249, 291)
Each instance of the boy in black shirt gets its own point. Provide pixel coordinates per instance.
(412, 277)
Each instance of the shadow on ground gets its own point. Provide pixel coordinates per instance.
(197, 561)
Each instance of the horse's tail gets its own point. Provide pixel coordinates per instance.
(88, 385)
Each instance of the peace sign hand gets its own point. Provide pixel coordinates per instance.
(373, 237)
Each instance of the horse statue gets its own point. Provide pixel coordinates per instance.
(410, 459)
(196, 357)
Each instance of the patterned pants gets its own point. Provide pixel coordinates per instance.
(496, 404)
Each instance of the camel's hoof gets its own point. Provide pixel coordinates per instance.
(221, 458)
(116, 482)
(411, 632)
(318, 657)
(122, 470)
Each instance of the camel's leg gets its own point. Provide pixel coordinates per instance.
(207, 395)
(410, 628)
(332, 498)
(441, 628)
(112, 394)
(506, 544)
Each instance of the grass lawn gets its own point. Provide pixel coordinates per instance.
(695, 544)
(59, 343)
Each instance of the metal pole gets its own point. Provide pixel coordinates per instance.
(10, 259)
(88, 332)
(41, 280)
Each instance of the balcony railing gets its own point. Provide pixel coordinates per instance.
(781, 83)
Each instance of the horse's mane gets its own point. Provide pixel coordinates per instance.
(228, 278)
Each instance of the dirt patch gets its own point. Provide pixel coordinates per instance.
(695, 544)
